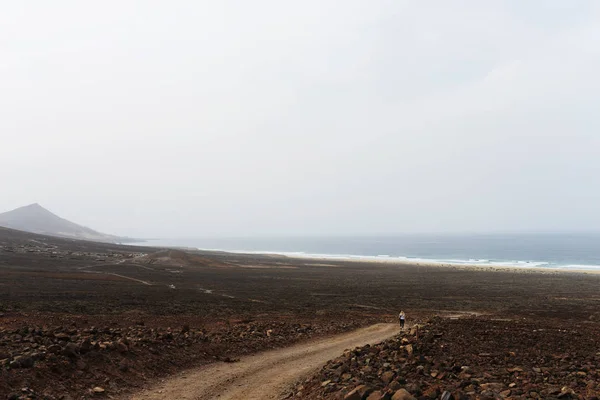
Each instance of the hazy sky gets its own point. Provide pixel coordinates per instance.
(196, 118)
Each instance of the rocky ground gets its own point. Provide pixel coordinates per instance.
(468, 358)
(68, 362)
(76, 315)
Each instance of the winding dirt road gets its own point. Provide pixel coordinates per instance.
(265, 375)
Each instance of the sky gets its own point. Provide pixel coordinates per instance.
(320, 117)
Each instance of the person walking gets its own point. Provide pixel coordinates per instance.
(402, 318)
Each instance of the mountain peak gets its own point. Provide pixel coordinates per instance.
(36, 219)
(33, 206)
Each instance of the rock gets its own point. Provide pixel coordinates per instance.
(376, 395)
(22, 362)
(124, 365)
(359, 393)
(431, 392)
(122, 347)
(409, 349)
(98, 390)
(567, 393)
(402, 394)
(325, 383)
(86, 346)
(493, 386)
(70, 350)
(446, 396)
(387, 377)
(81, 365)
(62, 336)
(488, 394)
(54, 349)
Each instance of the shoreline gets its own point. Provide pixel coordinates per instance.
(524, 266)
(434, 264)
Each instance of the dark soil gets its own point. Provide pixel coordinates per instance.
(232, 304)
(469, 358)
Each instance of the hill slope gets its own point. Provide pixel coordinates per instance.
(36, 219)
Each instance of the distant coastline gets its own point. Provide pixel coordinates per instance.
(544, 252)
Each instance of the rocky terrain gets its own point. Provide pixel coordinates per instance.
(83, 360)
(468, 358)
(78, 315)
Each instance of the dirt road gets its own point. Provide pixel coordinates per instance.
(266, 375)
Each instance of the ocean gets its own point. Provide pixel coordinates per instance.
(548, 250)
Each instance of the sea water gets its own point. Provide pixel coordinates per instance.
(548, 250)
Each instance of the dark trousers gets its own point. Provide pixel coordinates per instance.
(402, 323)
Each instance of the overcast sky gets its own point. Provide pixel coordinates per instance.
(200, 118)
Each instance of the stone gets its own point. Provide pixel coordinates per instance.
(22, 362)
(376, 395)
(54, 349)
(124, 365)
(493, 386)
(447, 396)
(402, 394)
(567, 393)
(387, 377)
(98, 390)
(359, 393)
(81, 365)
(70, 350)
(86, 346)
(122, 347)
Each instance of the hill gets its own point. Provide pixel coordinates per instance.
(36, 219)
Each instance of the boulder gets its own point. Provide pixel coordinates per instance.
(98, 390)
(86, 346)
(387, 377)
(446, 396)
(71, 350)
(54, 349)
(378, 395)
(122, 347)
(493, 386)
(359, 393)
(402, 394)
(124, 365)
(22, 362)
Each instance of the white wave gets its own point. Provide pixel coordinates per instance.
(579, 266)
(386, 258)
